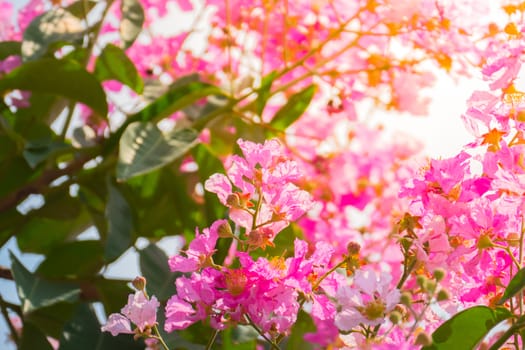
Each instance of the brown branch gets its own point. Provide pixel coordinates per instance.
(6, 273)
(38, 185)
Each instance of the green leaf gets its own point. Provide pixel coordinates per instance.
(33, 338)
(51, 319)
(58, 77)
(467, 328)
(84, 333)
(37, 151)
(516, 284)
(10, 48)
(41, 234)
(154, 266)
(50, 27)
(293, 109)
(81, 8)
(114, 64)
(36, 292)
(132, 21)
(112, 293)
(263, 93)
(84, 258)
(303, 325)
(120, 224)
(143, 148)
(175, 99)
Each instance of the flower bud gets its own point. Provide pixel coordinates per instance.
(423, 339)
(224, 230)
(430, 286)
(139, 282)
(442, 295)
(233, 200)
(421, 281)
(395, 317)
(439, 274)
(406, 299)
(353, 248)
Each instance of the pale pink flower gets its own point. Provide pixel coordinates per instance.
(139, 310)
(367, 301)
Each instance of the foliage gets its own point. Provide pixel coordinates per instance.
(255, 149)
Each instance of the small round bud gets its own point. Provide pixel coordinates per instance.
(353, 248)
(139, 282)
(430, 286)
(233, 200)
(224, 230)
(442, 295)
(406, 299)
(439, 274)
(421, 281)
(395, 317)
(423, 339)
(513, 239)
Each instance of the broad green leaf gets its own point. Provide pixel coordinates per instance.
(33, 338)
(263, 93)
(293, 109)
(143, 148)
(114, 64)
(10, 48)
(516, 284)
(58, 77)
(51, 319)
(84, 259)
(466, 329)
(81, 8)
(36, 292)
(38, 151)
(120, 224)
(132, 21)
(175, 99)
(112, 293)
(41, 234)
(84, 333)
(154, 266)
(50, 27)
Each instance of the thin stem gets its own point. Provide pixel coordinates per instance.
(3, 308)
(271, 342)
(212, 339)
(159, 337)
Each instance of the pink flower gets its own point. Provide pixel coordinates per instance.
(367, 301)
(199, 254)
(139, 310)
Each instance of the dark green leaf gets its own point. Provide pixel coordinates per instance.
(120, 224)
(41, 234)
(81, 8)
(132, 21)
(516, 284)
(10, 48)
(143, 148)
(38, 151)
(466, 329)
(58, 77)
(50, 27)
(36, 292)
(112, 293)
(154, 266)
(51, 319)
(84, 258)
(293, 109)
(263, 93)
(114, 64)
(33, 338)
(83, 333)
